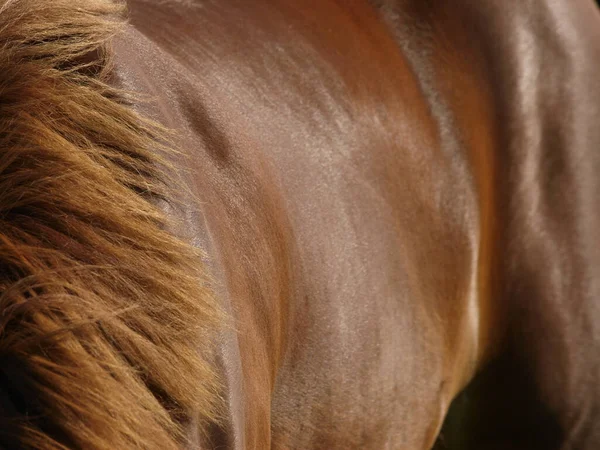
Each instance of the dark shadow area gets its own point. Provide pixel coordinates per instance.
(499, 410)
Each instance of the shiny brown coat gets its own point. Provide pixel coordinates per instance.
(393, 194)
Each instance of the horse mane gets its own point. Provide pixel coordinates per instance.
(105, 315)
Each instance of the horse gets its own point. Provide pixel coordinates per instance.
(304, 224)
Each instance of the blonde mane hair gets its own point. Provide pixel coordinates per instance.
(105, 316)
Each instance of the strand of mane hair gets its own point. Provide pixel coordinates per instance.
(106, 317)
